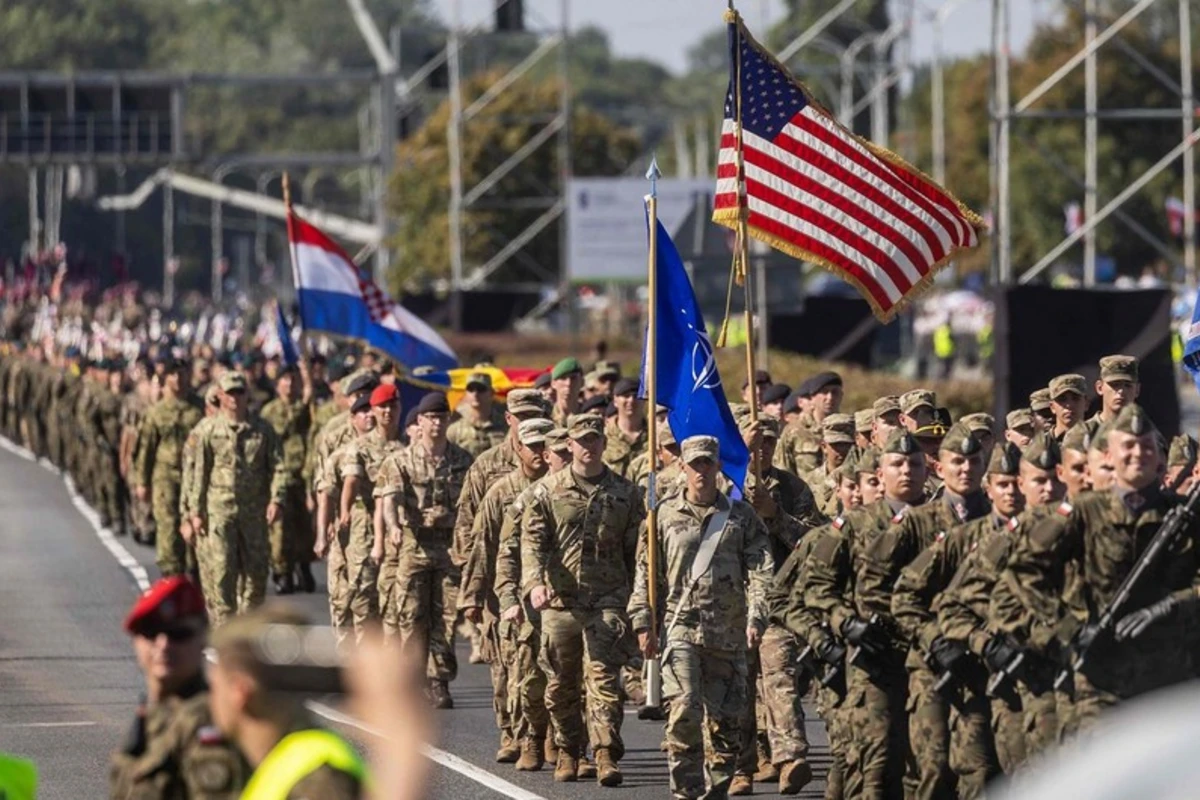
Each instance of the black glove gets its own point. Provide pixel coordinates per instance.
(865, 634)
(999, 652)
(947, 652)
(830, 652)
(1135, 623)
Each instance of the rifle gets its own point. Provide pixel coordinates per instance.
(1172, 526)
(1001, 678)
(824, 672)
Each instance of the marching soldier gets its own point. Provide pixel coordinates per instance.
(886, 418)
(715, 567)
(1117, 387)
(481, 426)
(1039, 404)
(565, 380)
(626, 435)
(918, 409)
(289, 416)
(799, 450)
(1068, 402)
(1020, 426)
(837, 440)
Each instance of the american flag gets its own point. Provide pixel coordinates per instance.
(818, 192)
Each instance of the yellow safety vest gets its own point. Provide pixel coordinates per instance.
(298, 755)
(943, 342)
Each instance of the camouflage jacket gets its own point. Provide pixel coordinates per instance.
(785, 598)
(962, 607)
(291, 421)
(732, 593)
(477, 436)
(799, 448)
(187, 466)
(238, 467)
(364, 457)
(579, 537)
(490, 467)
(479, 575)
(332, 435)
(508, 553)
(165, 429)
(824, 490)
(426, 490)
(175, 753)
(797, 512)
(324, 414)
(619, 451)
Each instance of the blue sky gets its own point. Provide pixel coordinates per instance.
(663, 30)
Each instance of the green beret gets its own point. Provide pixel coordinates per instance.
(1182, 451)
(1042, 452)
(1006, 460)
(901, 442)
(1134, 420)
(568, 366)
(961, 439)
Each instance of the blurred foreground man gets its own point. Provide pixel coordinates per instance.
(173, 750)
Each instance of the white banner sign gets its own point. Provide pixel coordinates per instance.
(606, 223)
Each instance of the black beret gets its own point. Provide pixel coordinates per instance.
(542, 381)
(760, 376)
(410, 418)
(361, 403)
(594, 404)
(433, 403)
(625, 386)
(776, 392)
(821, 380)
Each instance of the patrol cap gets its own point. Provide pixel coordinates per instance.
(626, 386)
(383, 394)
(1040, 401)
(1071, 382)
(212, 395)
(666, 436)
(863, 420)
(534, 431)
(541, 381)
(979, 423)
(1182, 451)
(768, 425)
(232, 382)
(776, 393)
(1019, 418)
(696, 447)
(1119, 368)
(960, 439)
(480, 379)
(607, 369)
(1042, 452)
(837, 429)
(1006, 460)
(556, 439)
(1076, 438)
(596, 404)
(1133, 419)
(886, 404)
(581, 425)
(565, 367)
(917, 398)
(902, 442)
(361, 403)
(525, 401)
(433, 403)
(166, 604)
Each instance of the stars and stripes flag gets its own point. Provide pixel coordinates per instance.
(816, 191)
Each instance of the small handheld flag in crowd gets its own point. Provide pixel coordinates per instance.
(287, 347)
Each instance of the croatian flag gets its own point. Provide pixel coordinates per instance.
(338, 298)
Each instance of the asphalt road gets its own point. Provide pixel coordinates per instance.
(68, 682)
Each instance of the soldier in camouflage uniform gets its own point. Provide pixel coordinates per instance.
(158, 475)
(236, 491)
(106, 430)
(885, 419)
(1020, 427)
(918, 409)
(565, 379)
(1181, 464)
(837, 441)
(1117, 387)
(477, 598)
(578, 553)
(421, 488)
(625, 435)
(134, 406)
(1068, 402)
(481, 426)
(187, 469)
(709, 622)
(291, 535)
(799, 450)
(385, 407)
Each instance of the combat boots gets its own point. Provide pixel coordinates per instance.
(586, 769)
(607, 772)
(509, 750)
(283, 583)
(567, 768)
(794, 777)
(307, 582)
(550, 749)
(767, 772)
(531, 756)
(439, 695)
(741, 785)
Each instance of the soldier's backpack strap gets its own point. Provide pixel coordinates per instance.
(714, 527)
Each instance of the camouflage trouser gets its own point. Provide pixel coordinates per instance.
(1008, 732)
(110, 489)
(1040, 719)
(582, 648)
(387, 580)
(830, 705)
(527, 685)
(233, 547)
(362, 574)
(784, 683)
(972, 754)
(141, 516)
(706, 693)
(929, 738)
(750, 724)
(424, 603)
(875, 718)
(337, 581)
(502, 641)
(171, 552)
(291, 534)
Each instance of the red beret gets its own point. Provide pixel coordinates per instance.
(167, 602)
(384, 393)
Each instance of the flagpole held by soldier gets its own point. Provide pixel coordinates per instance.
(653, 665)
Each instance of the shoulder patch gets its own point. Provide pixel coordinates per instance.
(899, 516)
(940, 536)
(1013, 523)
(1065, 508)
(209, 734)
(838, 523)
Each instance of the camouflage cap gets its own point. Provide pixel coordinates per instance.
(1071, 382)
(917, 398)
(1042, 452)
(557, 439)
(525, 401)
(534, 431)
(607, 369)
(1119, 368)
(666, 436)
(902, 442)
(837, 429)
(591, 380)
(1039, 400)
(1005, 460)
(695, 447)
(581, 425)
(212, 395)
(232, 381)
(1076, 438)
(768, 425)
(864, 420)
(1134, 420)
(979, 423)
(1019, 418)
(479, 379)
(961, 439)
(886, 405)
(1182, 451)
(867, 461)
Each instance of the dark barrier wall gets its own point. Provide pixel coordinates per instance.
(825, 323)
(1042, 332)
(483, 312)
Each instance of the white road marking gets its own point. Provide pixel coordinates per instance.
(81, 724)
(131, 565)
(447, 760)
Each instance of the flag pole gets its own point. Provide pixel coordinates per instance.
(653, 666)
(305, 344)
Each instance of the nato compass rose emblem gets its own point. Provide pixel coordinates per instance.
(704, 363)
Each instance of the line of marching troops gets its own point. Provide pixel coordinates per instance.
(925, 580)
